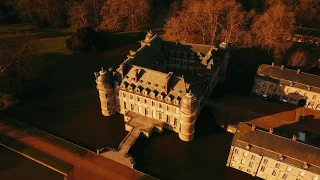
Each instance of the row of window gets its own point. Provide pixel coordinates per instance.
(181, 62)
(152, 113)
(245, 154)
(271, 86)
(153, 103)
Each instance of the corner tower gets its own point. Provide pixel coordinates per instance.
(106, 92)
(189, 113)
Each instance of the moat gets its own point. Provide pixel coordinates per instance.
(72, 111)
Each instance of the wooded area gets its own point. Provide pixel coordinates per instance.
(260, 24)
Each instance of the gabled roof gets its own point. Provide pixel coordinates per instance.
(289, 75)
(273, 146)
(155, 80)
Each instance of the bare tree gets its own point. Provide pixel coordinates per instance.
(299, 58)
(306, 13)
(211, 20)
(234, 25)
(78, 15)
(124, 13)
(270, 27)
(41, 12)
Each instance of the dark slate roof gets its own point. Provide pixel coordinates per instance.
(286, 75)
(147, 55)
(273, 146)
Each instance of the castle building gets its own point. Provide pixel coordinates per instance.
(269, 156)
(167, 81)
(288, 85)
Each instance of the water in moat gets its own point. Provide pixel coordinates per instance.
(72, 111)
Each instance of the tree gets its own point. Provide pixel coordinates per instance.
(299, 58)
(84, 13)
(41, 12)
(212, 20)
(78, 15)
(85, 40)
(307, 13)
(270, 27)
(119, 14)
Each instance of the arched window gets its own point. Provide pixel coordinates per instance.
(132, 107)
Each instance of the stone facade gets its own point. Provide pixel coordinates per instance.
(156, 81)
(288, 86)
(269, 156)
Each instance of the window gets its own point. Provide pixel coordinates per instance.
(253, 157)
(236, 151)
(131, 97)
(132, 107)
(302, 173)
(274, 172)
(160, 105)
(175, 121)
(160, 115)
(284, 176)
(145, 101)
(106, 95)
(168, 119)
(138, 98)
(124, 105)
(153, 104)
(251, 164)
(146, 111)
(233, 164)
(289, 169)
(245, 154)
(234, 158)
(277, 165)
(265, 161)
(262, 168)
(249, 170)
(168, 108)
(124, 94)
(243, 161)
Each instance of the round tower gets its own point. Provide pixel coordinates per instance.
(189, 112)
(106, 92)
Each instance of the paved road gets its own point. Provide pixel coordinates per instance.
(90, 166)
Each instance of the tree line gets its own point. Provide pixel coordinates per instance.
(242, 22)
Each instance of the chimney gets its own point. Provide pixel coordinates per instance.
(253, 127)
(187, 86)
(272, 64)
(294, 138)
(271, 131)
(282, 67)
(131, 54)
(167, 82)
(298, 71)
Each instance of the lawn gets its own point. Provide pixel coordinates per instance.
(52, 50)
(29, 29)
